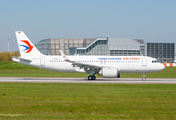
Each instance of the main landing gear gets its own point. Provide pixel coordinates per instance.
(91, 77)
(143, 77)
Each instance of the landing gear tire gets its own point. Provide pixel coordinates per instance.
(91, 78)
(143, 79)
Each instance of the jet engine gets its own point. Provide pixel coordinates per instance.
(109, 73)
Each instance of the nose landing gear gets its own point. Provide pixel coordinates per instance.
(143, 77)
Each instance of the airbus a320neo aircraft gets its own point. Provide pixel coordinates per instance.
(106, 66)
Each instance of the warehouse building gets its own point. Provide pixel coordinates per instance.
(92, 46)
(53, 45)
(112, 47)
(163, 52)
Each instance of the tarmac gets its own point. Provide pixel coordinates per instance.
(84, 80)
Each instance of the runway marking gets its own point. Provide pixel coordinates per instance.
(84, 80)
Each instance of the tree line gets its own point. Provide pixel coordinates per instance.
(7, 56)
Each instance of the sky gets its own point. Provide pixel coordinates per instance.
(150, 20)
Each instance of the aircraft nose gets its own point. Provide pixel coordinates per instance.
(162, 67)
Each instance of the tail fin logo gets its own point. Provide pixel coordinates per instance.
(28, 46)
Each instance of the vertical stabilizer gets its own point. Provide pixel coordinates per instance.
(26, 47)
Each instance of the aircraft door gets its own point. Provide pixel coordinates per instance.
(144, 61)
(42, 61)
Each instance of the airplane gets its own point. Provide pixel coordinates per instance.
(106, 66)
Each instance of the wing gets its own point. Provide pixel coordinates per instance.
(86, 66)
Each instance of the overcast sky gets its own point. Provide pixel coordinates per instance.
(150, 20)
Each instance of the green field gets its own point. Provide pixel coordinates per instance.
(84, 101)
(87, 101)
(12, 69)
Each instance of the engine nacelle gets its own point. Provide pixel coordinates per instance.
(109, 73)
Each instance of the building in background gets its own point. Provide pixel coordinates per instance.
(163, 52)
(92, 46)
(53, 45)
(112, 47)
(97, 47)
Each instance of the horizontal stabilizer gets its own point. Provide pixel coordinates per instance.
(17, 59)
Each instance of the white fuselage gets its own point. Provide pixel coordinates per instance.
(124, 64)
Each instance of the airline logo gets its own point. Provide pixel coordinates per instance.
(28, 46)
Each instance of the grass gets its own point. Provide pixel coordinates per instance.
(13, 69)
(87, 101)
(13, 65)
(84, 101)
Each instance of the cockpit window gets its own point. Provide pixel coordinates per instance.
(155, 61)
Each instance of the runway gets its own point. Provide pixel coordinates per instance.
(84, 80)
